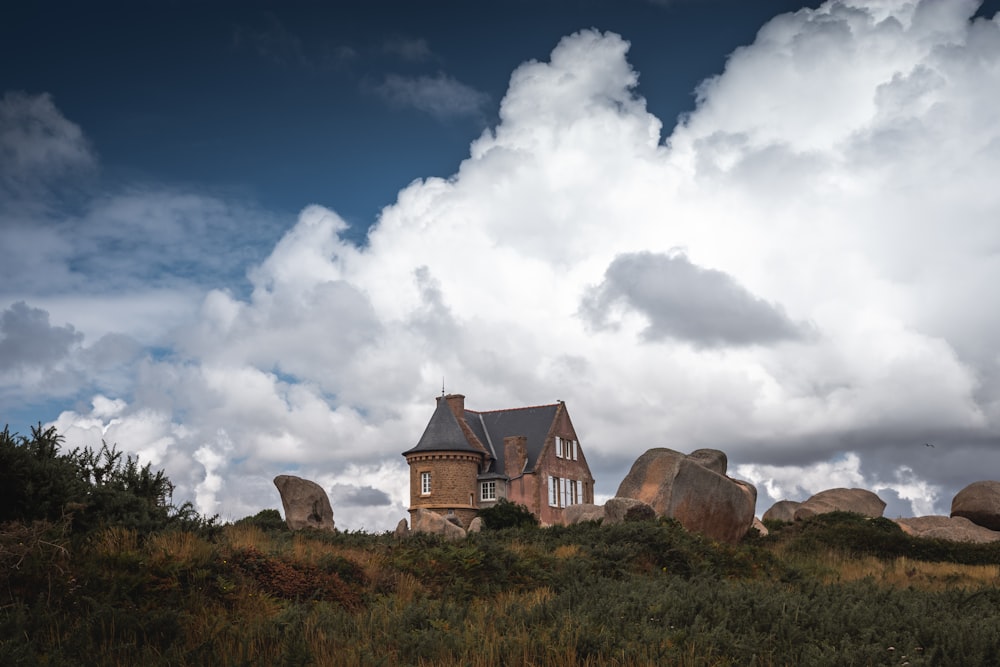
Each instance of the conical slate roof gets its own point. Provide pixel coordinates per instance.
(443, 433)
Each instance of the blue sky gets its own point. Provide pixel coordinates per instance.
(249, 239)
(271, 101)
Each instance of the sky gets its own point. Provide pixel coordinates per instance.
(249, 239)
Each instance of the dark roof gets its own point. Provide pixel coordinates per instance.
(443, 433)
(492, 427)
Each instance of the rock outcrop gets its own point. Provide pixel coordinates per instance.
(402, 529)
(475, 526)
(759, 526)
(426, 521)
(305, 502)
(619, 510)
(979, 502)
(783, 510)
(861, 501)
(575, 514)
(692, 490)
(954, 528)
(712, 459)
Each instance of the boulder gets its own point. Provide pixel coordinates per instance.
(783, 510)
(759, 526)
(860, 501)
(619, 510)
(426, 521)
(306, 503)
(402, 528)
(702, 499)
(979, 502)
(712, 459)
(475, 526)
(953, 528)
(575, 514)
(650, 478)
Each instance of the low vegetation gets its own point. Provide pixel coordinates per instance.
(120, 583)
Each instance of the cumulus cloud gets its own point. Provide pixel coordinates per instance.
(904, 492)
(441, 95)
(839, 172)
(685, 302)
(28, 339)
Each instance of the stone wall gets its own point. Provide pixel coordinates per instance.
(453, 482)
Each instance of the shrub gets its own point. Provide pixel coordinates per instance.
(267, 520)
(506, 514)
(299, 581)
(93, 488)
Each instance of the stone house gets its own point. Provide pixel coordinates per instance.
(467, 460)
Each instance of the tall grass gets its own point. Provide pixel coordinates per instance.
(629, 595)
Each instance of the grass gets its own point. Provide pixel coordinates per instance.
(634, 594)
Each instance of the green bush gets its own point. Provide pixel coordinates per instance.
(505, 514)
(89, 488)
(267, 520)
(857, 535)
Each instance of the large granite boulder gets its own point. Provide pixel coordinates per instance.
(426, 521)
(954, 528)
(475, 526)
(759, 526)
(306, 503)
(979, 502)
(860, 501)
(575, 514)
(783, 510)
(619, 510)
(692, 490)
(402, 529)
(713, 459)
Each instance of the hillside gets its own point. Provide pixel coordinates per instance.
(97, 567)
(837, 590)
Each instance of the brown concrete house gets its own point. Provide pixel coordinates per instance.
(467, 460)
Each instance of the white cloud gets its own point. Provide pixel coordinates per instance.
(685, 302)
(441, 95)
(841, 166)
(776, 483)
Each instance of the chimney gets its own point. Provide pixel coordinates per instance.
(457, 404)
(515, 455)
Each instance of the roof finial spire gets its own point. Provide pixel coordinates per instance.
(442, 385)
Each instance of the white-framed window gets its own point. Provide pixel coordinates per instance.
(566, 448)
(425, 484)
(488, 490)
(564, 492)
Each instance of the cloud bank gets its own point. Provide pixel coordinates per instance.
(798, 274)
